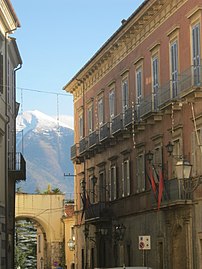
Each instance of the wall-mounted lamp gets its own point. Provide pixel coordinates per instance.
(94, 180)
(86, 232)
(183, 169)
(169, 148)
(83, 185)
(149, 156)
(71, 244)
(119, 232)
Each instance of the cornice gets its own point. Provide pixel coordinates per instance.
(143, 24)
(8, 16)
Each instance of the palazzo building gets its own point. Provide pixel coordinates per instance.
(138, 142)
(12, 164)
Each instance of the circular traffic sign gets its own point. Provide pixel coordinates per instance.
(141, 245)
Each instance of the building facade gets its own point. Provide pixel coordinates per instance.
(69, 224)
(138, 126)
(12, 165)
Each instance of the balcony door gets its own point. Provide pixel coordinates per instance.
(196, 53)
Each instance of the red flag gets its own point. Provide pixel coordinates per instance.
(153, 184)
(160, 188)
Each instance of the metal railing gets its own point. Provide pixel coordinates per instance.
(17, 165)
(105, 131)
(117, 123)
(93, 139)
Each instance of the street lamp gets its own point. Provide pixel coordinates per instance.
(183, 170)
(119, 232)
(71, 244)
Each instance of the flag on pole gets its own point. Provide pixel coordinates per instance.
(161, 186)
(153, 183)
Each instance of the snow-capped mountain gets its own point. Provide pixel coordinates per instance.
(45, 143)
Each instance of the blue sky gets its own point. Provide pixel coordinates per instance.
(55, 40)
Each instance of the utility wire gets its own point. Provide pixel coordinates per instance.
(41, 91)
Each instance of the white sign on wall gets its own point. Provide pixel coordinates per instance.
(144, 242)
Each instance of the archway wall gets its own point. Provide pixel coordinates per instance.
(46, 209)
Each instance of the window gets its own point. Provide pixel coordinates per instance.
(196, 53)
(90, 119)
(138, 85)
(140, 171)
(125, 95)
(81, 126)
(126, 178)
(100, 111)
(174, 67)
(155, 82)
(102, 186)
(112, 183)
(112, 103)
(157, 163)
(138, 90)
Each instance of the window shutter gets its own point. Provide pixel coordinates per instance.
(1, 73)
(115, 184)
(123, 190)
(143, 173)
(128, 177)
(110, 184)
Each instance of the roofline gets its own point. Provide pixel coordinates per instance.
(126, 22)
(13, 13)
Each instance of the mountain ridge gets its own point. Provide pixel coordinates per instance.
(45, 144)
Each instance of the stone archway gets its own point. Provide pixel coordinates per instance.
(26, 228)
(46, 210)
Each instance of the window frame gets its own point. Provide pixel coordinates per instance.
(196, 51)
(100, 108)
(113, 182)
(140, 173)
(81, 126)
(125, 93)
(112, 103)
(174, 66)
(126, 178)
(155, 80)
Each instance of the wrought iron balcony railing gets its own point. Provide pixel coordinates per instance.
(83, 145)
(93, 139)
(74, 151)
(117, 124)
(94, 211)
(128, 116)
(173, 193)
(105, 131)
(16, 166)
(187, 82)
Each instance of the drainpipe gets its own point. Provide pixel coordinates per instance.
(6, 146)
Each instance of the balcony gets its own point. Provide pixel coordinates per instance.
(16, 166)
(173, 194)
(128, 116)
(83, 145)
(117, 124)
(93, 139)
(174, 191)
(97, 212)
(188, 81)
(105, 132)
(74, 151)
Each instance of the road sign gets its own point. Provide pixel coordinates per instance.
(144, 242)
